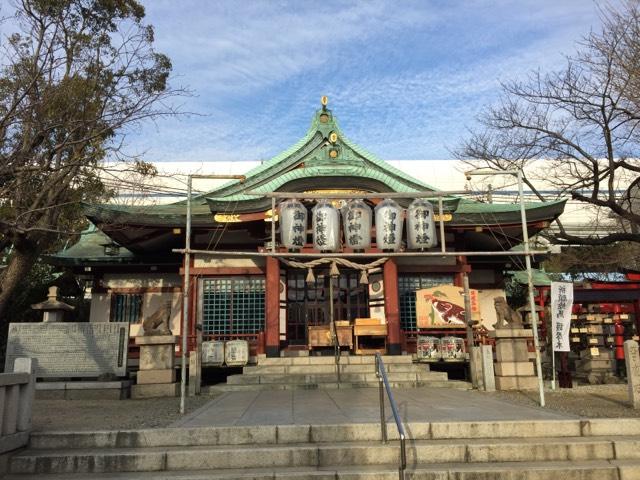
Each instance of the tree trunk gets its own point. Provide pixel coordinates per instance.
(19, 265)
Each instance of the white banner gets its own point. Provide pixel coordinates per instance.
(561, 303)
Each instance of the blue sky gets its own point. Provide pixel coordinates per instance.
(404, 78)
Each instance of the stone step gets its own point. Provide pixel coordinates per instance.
(588, 470)
(325, 455)
(318, 434)
(457, 384)
(331, 368)
(332, 377)
(330, 360)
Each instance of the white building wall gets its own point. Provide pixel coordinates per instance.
(487, 309)
(578, 218)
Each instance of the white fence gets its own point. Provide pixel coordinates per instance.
(17, 390)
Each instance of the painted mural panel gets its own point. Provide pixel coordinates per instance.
(443, 307)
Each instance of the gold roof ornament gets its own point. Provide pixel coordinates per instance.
(324, 100)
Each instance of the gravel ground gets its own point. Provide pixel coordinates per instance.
(110, 414)
(598, 401)
(594, 401)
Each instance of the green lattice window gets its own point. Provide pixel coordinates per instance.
(407, 285)
(126, 308)
(232, 305)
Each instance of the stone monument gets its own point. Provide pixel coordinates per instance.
(632, 359)
(513, 369)
(156, 373)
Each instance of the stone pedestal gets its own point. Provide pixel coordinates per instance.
(156, 375)
(596, 366)
(477, 378)
(513, 369)
(632, 360)
(488, 374)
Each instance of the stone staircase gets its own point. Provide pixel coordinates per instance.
(604, 449)
(292, 373)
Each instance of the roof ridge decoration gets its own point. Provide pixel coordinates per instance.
(326, 147)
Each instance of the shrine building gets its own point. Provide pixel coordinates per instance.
(278, 303)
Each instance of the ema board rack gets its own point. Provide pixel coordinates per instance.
(606, 318)
(597, 329)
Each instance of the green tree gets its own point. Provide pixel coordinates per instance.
(75, 76)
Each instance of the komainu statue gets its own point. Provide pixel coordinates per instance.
(158, 322)
(506, 316)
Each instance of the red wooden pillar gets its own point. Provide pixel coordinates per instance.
(391, 306)
(636, 314)
(272, 308)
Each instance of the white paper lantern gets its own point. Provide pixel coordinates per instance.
(421, 226)
(325, 220)
(389, 223)
(356, 217)
(293, 224)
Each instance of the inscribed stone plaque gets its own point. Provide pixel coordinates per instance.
(70, 349)
(488, 375)
(632, 359)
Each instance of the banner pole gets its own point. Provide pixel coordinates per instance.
(553, 367)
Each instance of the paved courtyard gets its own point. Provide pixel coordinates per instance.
(303, 407)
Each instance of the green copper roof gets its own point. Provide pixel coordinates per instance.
(539, 277)
(323, 153)
(90, 246)
(311, 157)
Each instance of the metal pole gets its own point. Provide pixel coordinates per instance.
(403, 457)
(185, 300)
(532, 303)
(273, 224)
(553, 368)
(469, 322)
(383, 421)
(268, 253)
(334, 333)
(441, 217)
(186, 290)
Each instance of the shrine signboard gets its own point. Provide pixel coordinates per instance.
(67, 350)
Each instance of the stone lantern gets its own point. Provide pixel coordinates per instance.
(326, 227)
(53, 308)
(356, 217)
(421, 226)
(389, 224)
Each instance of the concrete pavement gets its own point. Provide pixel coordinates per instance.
(330, 407)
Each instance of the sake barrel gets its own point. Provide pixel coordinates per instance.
(452, 349)
(213, 353)
(236, 353)
(428, 348)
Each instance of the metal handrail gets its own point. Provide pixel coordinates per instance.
(383, 384)
(335, 340)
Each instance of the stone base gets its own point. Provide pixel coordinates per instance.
(516, 383)
(589, 365)
(512, 333)
(512, 350)
(118, 390)
(157, 352)
(146, 377)
(155, 390)
(603, 354)
(509, 369)
(156, 339)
